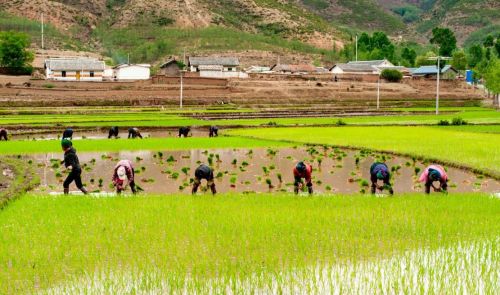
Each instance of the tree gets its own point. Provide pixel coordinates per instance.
(459, 61)
(392, 75)
(13, 51)
(497, 47)
(475, 55)
(423, 60)
(445, 39)
(409, 55)
(492, 78)
(489, 41)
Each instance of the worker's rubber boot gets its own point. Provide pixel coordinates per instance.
(212, 187)
(296, 190)
(310, 189)
(66, 191)
(84, 191)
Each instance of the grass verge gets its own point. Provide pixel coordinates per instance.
(14, 147)
(232, 237)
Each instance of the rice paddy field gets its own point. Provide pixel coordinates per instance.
(255, 236)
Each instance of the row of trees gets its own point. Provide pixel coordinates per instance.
(15, 58)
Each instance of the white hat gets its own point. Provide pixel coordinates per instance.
(122, 173)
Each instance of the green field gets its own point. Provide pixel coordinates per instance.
(20, 147)
(50, 242)
(474, 150)
(148, 118)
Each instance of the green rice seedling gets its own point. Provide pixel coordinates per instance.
(244, 164)
(339, 166)
(248, 182)
(217, 158)
(417, 170)
(160, 155)
(137, 171)
(143, 168)
(186, 157)
(319, 160)
(242, 169)
(271, 152)
(185, 170)
(272, 167)
(319, 182)
(147, 180)
(205, 152)
(356, 161)
(233, 181)
(280, 177)
(181, 187)
(234, 161)
(219, 175)
(339, 158)
(210, 161)
(87, 168)
(265, 170)
(138, 159)
(328, 188)
(353, 173)
(170, 159)
(364, 183)
(362, 191)
(101, 181)
(58, 174)
(174, 175)
(30, 162)
(111, 186)
(198, 162)
(250, 152)
(92, 180)
(55, 165)
(269, 183)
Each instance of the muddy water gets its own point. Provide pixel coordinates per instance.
(337, 173)
(50, 135)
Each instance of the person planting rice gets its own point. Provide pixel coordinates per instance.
(434, 173)
(72, 164)
(134, 133)
(204, 172)
(68, 134)
(214, 131)
(113, 132)
(124, 172)
(3, 134)
(302, 170)
(184, 131)
(380, 171)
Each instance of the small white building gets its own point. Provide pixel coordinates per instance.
(361, 67)
(132, 72)
(74, 69)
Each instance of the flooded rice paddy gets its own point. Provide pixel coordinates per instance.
(252, 170)
(103, 134)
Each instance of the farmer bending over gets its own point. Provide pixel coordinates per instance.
(379, 171)
(68, 134)
(434, 173)
(213, 131)
(184, 131)
(72, 164)
(133, 133)
(204, 172)
(113, 132)
(300, 171)
(124, 171)
(3, 134)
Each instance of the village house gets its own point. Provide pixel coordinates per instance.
(132, 72)
(258, 69)
(169, 68)
(430, 72)
(216, 67)
(294, 69)
(74, 69)
(363, 67)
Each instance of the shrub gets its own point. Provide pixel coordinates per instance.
(48, 85)
(392, 75)
(340, 123)
(443, 123)
(458, 121)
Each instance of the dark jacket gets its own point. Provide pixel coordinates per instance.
(204, 172)
(380, 167)
(71, 159)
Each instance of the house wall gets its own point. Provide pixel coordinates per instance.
(225, 74)
(132, 73)
(170, 70)
(72, 76)
(337, 70)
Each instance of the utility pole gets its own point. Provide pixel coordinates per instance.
(43, 45)
(356, 47)
(378, 92)
(438, 58)
(182, 89)
(128, 58)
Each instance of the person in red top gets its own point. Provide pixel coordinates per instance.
(300, 171)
